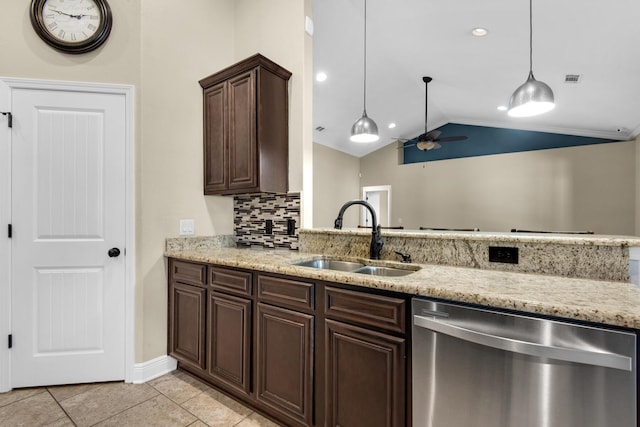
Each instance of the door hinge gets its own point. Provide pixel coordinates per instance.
(10, 340)
(9, 230)
(9, 118)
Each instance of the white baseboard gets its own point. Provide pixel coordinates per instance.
(146, 371)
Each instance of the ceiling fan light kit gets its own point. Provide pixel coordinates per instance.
(364, 129)
(533, 97)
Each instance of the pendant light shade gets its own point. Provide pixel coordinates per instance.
(364, 129)
(533, 97)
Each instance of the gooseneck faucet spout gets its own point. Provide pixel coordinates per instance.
(376, 238)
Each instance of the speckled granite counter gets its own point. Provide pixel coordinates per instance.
(612, 303)
(598, 257)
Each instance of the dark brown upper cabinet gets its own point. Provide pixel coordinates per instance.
(246, 129)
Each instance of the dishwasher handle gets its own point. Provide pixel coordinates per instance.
(603, 359)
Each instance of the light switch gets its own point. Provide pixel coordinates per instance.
(187, 227)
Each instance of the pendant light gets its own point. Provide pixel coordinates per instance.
(364, 129)
(533, 97)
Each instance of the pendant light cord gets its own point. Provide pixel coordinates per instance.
(530, 36)
(365, 58)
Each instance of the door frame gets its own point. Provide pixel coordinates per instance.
(378, 189)
(128, 91)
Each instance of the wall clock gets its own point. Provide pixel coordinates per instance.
(72, 26)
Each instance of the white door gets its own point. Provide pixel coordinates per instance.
(68, 211)
(379, 197)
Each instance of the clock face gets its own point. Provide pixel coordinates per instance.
(72, 26)
(71, 21)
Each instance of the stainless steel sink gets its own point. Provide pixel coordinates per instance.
(354, 267)
(330, 264)
(383, 271)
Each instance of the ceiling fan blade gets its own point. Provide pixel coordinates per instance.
(451, 138)
(406, 146)
(431, 136)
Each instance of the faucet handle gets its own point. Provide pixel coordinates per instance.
(405, 257)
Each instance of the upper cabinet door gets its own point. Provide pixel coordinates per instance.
(243, 173)
(246, 128)
(216, 167)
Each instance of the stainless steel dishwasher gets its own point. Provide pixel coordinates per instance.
(481, 368)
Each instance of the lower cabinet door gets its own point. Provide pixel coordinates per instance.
(284, 369)
(365, 377)
(229, 338)
(187, 305)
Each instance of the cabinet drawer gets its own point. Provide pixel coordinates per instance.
(365, 309)
(231, 281)
(286, 292)
(188, 272)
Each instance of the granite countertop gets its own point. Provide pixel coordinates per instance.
(496, 236)
(611, 303)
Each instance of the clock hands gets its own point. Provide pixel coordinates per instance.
(69, 15)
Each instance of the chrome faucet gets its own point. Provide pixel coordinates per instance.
(376, 238)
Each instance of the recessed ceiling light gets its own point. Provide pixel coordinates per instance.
(479, 32)
(502, 108)
(392, 125)
(321, 76)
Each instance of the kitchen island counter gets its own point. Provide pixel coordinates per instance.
(597, 301)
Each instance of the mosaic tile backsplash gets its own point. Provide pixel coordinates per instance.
(268, 220)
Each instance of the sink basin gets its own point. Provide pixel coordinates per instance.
(383, 271)
(354, 267)
(331, 264)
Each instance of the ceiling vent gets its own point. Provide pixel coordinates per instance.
(319, 128)
(572, 78)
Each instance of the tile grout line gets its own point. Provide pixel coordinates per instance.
(44, 389)
(131, 407)
(61, 407)
(182, 407)
(242, 420)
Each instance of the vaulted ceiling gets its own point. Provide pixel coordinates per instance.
(472, 76)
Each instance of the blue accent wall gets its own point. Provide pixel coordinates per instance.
(484, 141)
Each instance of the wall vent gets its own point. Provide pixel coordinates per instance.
(572, 78)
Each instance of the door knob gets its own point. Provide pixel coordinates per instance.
(114, 252)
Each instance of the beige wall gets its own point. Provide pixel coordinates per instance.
(335, 181)
(275, 29)
(579, 188)
(164, 51)
(179, 47)
(637, 186)
(25, 55)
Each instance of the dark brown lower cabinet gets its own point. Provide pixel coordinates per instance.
(284, 362)
(303, 352)
(187, 305)
(364, 378)
(229, 341)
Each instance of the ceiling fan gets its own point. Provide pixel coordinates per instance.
(429, 140)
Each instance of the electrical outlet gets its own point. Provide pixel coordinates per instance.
(503, 254)
(291, 226)
(187, 227)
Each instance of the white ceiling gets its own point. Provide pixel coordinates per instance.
(472, 76)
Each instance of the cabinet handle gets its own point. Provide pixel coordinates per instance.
(603, 359)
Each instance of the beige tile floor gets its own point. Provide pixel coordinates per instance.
(175, 399)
